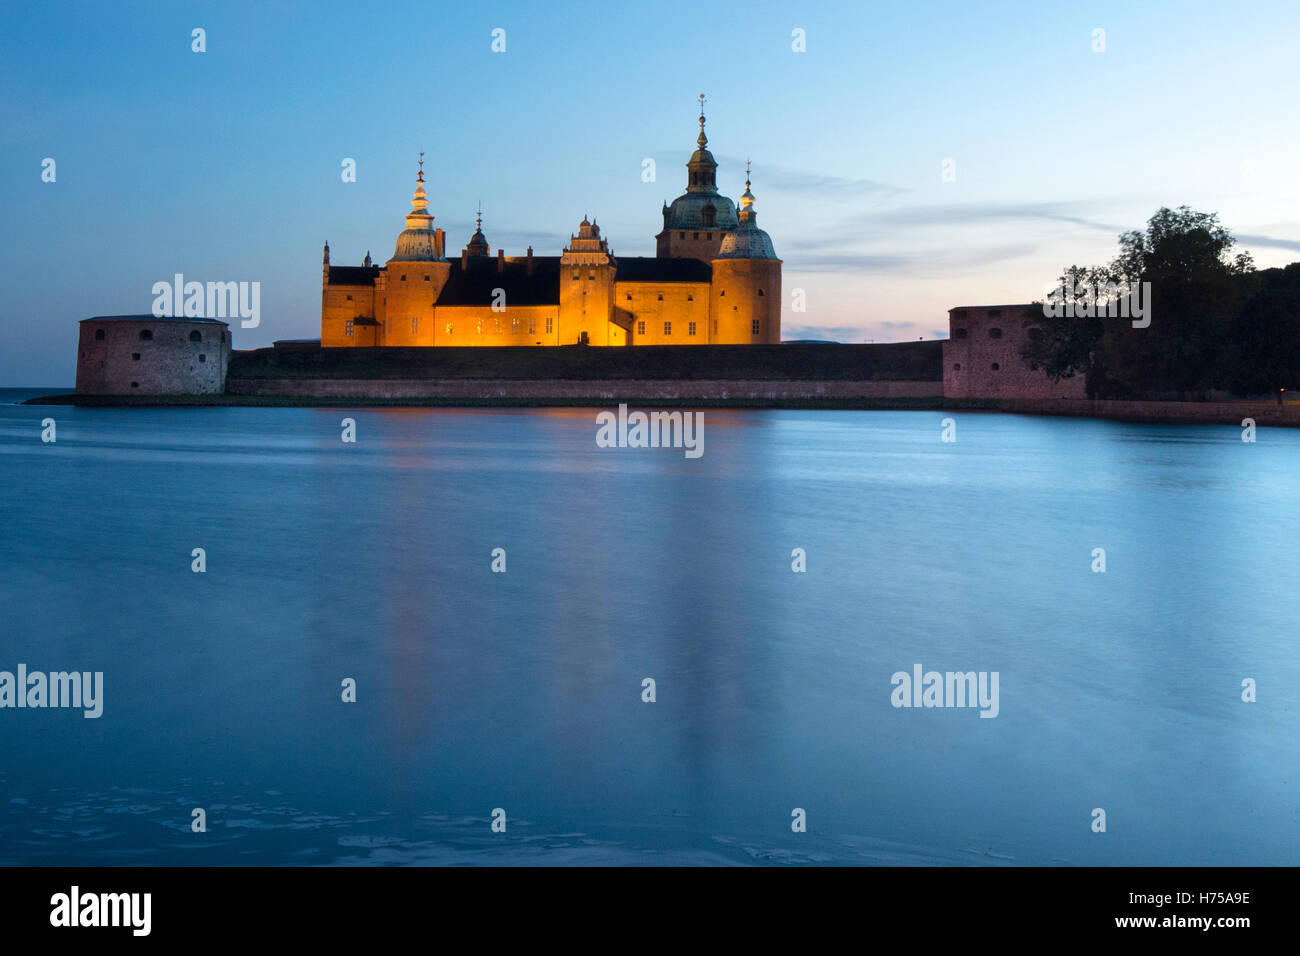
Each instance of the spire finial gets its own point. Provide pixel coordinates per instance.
(478, 222)
(747, 174)
(420, 176)
(702, 140)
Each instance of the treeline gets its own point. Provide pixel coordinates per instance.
(1217, 324)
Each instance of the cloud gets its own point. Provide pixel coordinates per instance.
(925, 262)
(789, 179)
(1269, 242)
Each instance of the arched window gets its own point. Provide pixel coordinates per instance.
(196, 336)
(710, 215)
(146, 335)
(99, 335)
(995, 333)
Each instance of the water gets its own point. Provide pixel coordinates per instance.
(522, 690)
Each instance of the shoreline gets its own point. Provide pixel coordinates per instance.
(1264, 413)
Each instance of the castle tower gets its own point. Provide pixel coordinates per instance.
(745, 298)
(416, 275)
(697, 220)
(478, 244)
(587, 290)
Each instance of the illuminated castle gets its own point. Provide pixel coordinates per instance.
(715, 280)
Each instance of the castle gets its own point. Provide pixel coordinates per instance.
(715, 280)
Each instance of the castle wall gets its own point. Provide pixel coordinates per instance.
(412, 290)
(746, 291)
(586, 300)
(167, 363)
(702, 244)
(646, 307)
(479, 325)
(341, 304)
(981, 358)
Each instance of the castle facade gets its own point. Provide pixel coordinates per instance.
(715, 280)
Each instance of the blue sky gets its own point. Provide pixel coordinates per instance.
(225, 165)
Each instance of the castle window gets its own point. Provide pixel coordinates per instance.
(996, 366)
(99, 335)
(415, 324)
(532, 326)
(695, 235)
(710, 216)
(575, 275)
(723, 292)
(135, 356)
(690, 298)
(668, 328)
(223, 337)
(448, 327)
(681, 235)
(203, 358)
(514, 325)
(349, 298)
(548, 325)
(196, 336)
(995, 333)
(690, 328)
(628, 297)
(661, 296)
(994, 313)
(146, 335)
(708, 235)
(347, 328)
(640, 328)
(135, 384)
(591, 276)
(754, 326)
(403, 278)
(497, 323)
(956, 366)
(958, 333)
(478, 326)
(761, 292)
(427, 279)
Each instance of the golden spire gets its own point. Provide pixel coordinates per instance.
(420, 201)
(702, 140)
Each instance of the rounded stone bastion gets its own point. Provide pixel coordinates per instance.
(147, 355)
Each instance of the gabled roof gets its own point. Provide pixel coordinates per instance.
(663, 269)
(353, 275)
(477, 284)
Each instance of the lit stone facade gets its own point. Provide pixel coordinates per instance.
(145, 355)
(715, 280)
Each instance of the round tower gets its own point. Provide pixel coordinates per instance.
(698, 219)
(745, 301)
(415, 276)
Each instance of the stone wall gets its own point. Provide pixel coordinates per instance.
(144, 355)
(981, 358)
(626, 389)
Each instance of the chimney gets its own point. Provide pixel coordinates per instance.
(464, 258)
(501, 260)
(528, 266)
(438, 243)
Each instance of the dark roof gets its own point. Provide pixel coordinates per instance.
(353, 275)
(150, 318)
(476, 284)
(655, 269)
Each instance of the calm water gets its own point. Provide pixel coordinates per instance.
(523, 690)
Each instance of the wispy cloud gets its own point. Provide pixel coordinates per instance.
(1268, 242)
(790, 179)
(923, 262)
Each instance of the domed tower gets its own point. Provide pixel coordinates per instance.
(478, 244)
(746, 294)
(415, 275)
(698, 219)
